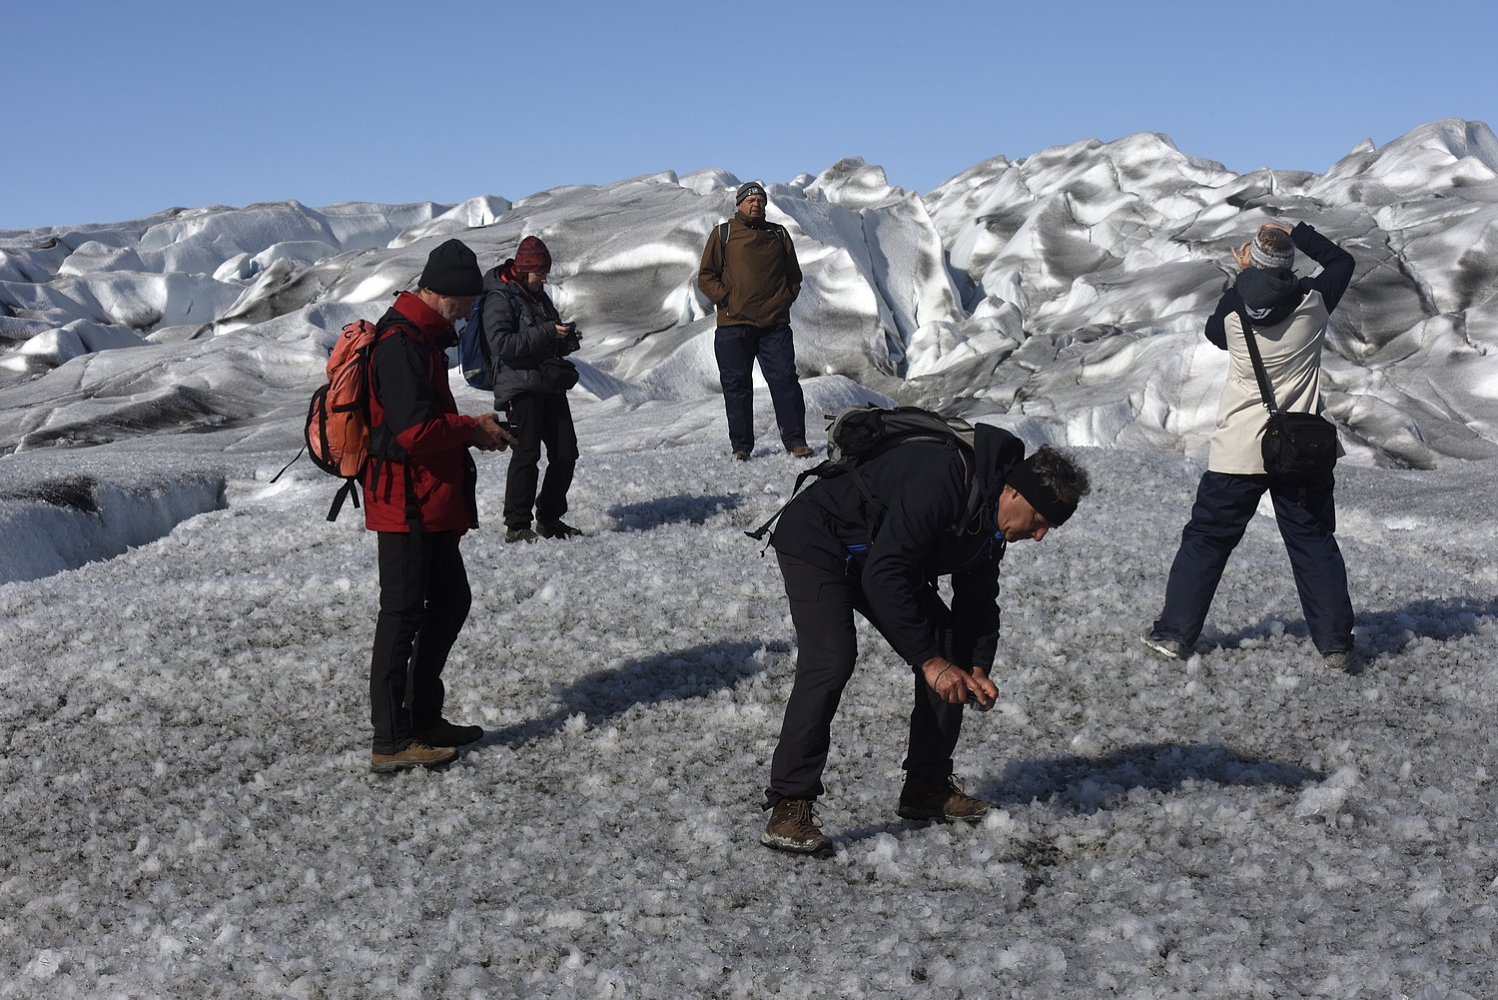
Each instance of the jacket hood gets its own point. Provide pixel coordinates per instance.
(1269, 296)
(997, 452)
(498, 275)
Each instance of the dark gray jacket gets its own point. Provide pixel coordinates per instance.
(521, 331)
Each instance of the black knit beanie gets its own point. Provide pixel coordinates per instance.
(453, 269)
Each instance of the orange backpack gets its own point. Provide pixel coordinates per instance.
(338, 419)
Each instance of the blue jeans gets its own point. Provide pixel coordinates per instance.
(736, 348)
(1307, 518)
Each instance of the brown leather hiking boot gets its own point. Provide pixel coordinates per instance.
(415, 755)
(791, 828)
(944, 800)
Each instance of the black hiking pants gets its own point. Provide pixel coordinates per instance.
(424, 600)
(822, 606)
(538, 418)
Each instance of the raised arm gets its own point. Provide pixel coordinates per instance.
(1217, 334)
(1336, 264)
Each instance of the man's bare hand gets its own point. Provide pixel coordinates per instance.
(955, 686)
(985, 692)
(489, 434)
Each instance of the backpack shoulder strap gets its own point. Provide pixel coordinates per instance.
(385, 328)
(383, 333)
(973, 493)
(826, 467)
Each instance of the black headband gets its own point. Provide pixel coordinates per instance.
(1040, 496)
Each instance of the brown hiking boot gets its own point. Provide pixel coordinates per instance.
(791, 828)
(415, 755)
(445, 734)
(943, 800)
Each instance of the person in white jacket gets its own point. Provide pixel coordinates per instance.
(1289, 316)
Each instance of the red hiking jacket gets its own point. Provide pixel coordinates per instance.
(418, 437)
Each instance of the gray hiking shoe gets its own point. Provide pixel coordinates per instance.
(415, 755)
(944, 800)
(792, 828)
(521, 535)
(1170, 649)
(1345, 660)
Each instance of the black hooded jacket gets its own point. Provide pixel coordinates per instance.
(923, 486)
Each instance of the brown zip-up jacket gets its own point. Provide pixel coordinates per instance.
(757, 279)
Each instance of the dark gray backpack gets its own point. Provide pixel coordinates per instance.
(859, 434)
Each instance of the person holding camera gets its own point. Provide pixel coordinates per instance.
(1289, 318)
(528, 344)
(419, 497)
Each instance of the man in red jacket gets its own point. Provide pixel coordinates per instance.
(419, 496)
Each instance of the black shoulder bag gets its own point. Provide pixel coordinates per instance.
(1300, 449)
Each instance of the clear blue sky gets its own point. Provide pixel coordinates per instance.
(115, 110)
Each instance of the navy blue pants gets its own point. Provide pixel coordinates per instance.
(736, 348)
(822, 606)
(424, 600)
(1307, 518)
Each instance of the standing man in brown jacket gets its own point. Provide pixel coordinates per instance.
(749, 271)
